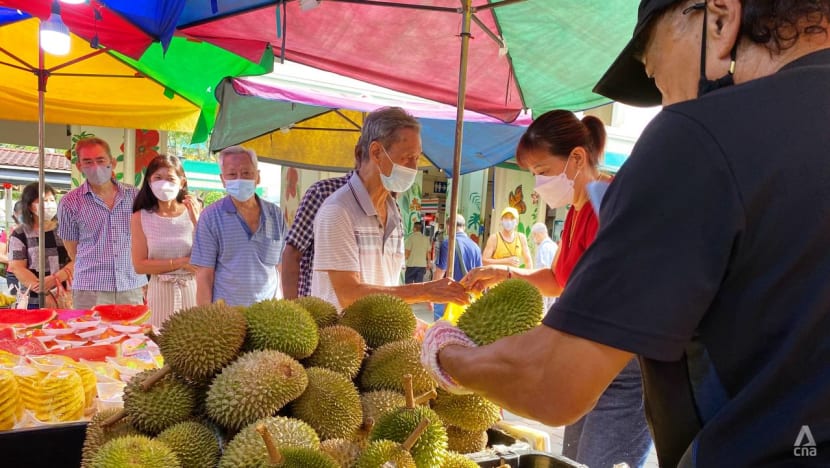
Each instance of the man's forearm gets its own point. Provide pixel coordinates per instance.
(204, 287)
(290, 274)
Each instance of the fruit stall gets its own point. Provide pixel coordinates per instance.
(282, 383)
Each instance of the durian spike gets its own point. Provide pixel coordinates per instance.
(413, 438)
(150, 381)
(114, 418)
(426, 396)
(274, 455)
(407, 391)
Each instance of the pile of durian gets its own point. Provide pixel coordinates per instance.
(293, 384)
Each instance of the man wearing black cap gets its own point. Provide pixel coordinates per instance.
(726, 298)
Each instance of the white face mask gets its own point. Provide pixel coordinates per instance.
(165, 190)
(50, 209)
(557, 191)
(508, 224)
(240, 189)
(98, 175)
(401, 177)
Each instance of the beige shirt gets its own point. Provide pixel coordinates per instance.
(418, 245)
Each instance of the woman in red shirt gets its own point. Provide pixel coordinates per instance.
(563, 153)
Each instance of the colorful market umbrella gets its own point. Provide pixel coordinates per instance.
(165, 85)
(309, 118)
(497, 57)
(167, 90)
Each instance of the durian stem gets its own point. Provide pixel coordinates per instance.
(368, 424)
(274, 455)
(503, 464)
(408, 392)
(114, 418)
(413, 438)
(150, 381)
(425, 397)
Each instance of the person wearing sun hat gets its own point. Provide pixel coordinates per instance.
(507, 246)
(710, 263)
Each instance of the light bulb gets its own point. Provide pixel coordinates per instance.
(54, 35)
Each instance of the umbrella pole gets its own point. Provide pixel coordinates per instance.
(459, 134)
(41, 143)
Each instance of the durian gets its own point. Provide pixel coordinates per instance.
(256, 385)
(462, 441)
(340, 349)
(194, 444)
(268, 454)
(344, 451)
(379, 402)
(167, 402)
(330, 404)
(324, 313)
(511, 307)
(457, 460)
(97, 434)
(135, 452)
(469, 412)
(281, 325)
(247, 447)
(382, 453)
(380, 319)
(387, 365)
(430, 449)
(197, 342)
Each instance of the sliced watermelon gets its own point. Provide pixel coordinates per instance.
(23, 346)
(89, 353)
(124, 313)
(23, 318)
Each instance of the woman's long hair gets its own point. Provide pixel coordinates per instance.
(29, 196)
(146, 199)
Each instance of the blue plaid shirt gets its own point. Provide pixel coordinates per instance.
(244, 262)
(301, 234)
(103, 261)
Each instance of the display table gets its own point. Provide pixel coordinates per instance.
(54, 446)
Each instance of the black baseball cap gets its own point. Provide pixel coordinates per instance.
(626, 80)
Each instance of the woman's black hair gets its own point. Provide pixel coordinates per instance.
(146, 199)
(29, 196)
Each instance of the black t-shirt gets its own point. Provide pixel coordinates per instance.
(712, 262)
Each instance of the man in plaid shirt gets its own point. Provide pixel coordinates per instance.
(298, 255)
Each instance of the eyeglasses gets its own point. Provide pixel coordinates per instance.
(97, 161)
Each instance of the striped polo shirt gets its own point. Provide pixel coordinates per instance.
(244, 262)
(348, 236)
(103, 260)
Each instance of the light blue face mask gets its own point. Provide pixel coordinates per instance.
(98, 175)
(240, 189)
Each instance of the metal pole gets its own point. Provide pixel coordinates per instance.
(459, 134)
(41, 143)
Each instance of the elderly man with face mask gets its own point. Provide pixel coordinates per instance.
(239, 239)
(358, 234)
(725, 297)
